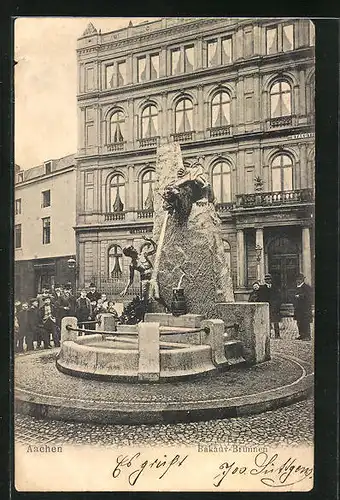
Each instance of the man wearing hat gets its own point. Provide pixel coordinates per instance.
(303, 307)
(33, 324)
(47, 321)
(269, 293)
(93, 295)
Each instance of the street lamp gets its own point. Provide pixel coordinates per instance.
(71, 264)
(258, 250)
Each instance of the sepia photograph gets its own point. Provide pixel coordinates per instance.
(164, 249)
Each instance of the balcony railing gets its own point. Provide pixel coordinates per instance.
(149, 142)
(116, 146)
(144, 214)
(274, 198)
(218, 131)
(182, 136)
(281, 121)
(115, 216)
(224, 207)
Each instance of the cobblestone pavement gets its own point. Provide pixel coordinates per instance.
(289, 426)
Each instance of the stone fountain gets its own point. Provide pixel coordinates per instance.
(214, 334)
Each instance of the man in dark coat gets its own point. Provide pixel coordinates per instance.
(93, 295)
(23, 326)
(83, 310)
(33, 324)
(269, 293)
(303, 301)
(47, 321)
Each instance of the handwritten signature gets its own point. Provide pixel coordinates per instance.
(271, 470)
(137, 466)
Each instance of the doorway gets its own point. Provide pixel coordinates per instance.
(284, 266)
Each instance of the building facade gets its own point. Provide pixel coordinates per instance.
(237, 93)
(45, 216)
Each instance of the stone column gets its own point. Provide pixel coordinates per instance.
(260, 262)
(200, 116)
(306, 255)
(240, 258)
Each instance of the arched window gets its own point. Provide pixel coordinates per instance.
(117, 127)
(220, 110)
(184, 116)
(280, 104)
(221, 182)
(282, 173)
(115, 261)
(117, 193)
(149, 122)
(227, 251)
(148, 179)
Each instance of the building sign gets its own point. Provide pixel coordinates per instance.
(302, 136)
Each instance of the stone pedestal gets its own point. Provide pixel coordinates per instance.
(149, 355)
(194, 248)
(254, 327)
(68, 334)
(108, 323)
(215, 338)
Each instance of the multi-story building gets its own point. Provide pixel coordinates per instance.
(239, 94)
(45, 216)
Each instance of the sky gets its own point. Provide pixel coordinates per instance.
(45, 84)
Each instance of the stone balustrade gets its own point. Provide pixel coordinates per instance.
(274, 198)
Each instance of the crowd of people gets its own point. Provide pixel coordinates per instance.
(303, 301)
(38, 321)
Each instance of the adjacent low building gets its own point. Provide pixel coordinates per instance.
(45, 216)
(237, 93)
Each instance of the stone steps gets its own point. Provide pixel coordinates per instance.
(233, 350)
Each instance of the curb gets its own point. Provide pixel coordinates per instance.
(59, 408)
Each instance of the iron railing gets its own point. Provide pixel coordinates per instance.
(182, 136)
(281, 121)
(149, 142)
(218, 131)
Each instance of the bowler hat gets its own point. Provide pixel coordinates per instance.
(34, 300)
(92, 285)
(300, 277)
(268, 277)
(45, 298)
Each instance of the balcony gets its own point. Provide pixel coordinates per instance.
(116, 146)
(144, 214)
(220, 131)
(281, 121)
(223, 208)
(182, 136)
(115, 216)
(274, 198)
(149, 142)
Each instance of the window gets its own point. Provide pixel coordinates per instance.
(271, 41)
(115, 74)
(221, 182)
(117, 127)
(89, 78)
(48, 168)
(89, 127)
(227, 252)
(148, 180)
(46, 198)
(226, 50)
(18, 206)
(20, 176)
(46, 222)
(149, 122)
(287, 37)
(282, 173)
(175, 61)
(280, 104)
(117, 193)
(220, 110)
(184, 116)
(115, 261)
(189, 58)
(17, 236)
(212, 53)
(148, 67)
